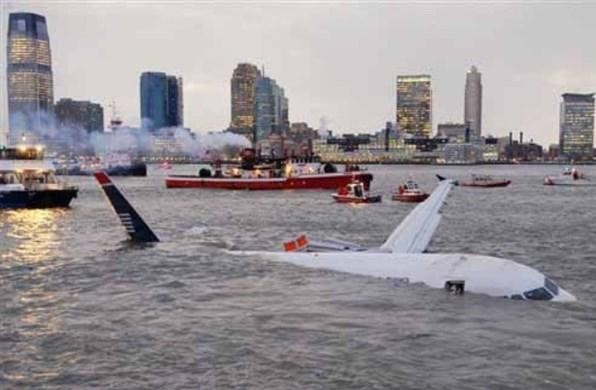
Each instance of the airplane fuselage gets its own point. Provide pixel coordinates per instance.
(481, 274)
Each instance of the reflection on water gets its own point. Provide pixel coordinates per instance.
(33, 232)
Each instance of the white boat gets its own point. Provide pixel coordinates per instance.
(569, 177)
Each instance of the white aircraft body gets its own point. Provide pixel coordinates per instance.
(402, 257)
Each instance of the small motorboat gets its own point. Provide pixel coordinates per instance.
(485, 181)
(165, 165)
(355, 192)
(569, 177)
(410, 192)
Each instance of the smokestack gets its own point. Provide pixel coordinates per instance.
(521, 137)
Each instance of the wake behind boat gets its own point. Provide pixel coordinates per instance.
(28, 181)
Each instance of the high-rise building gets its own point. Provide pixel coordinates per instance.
(271, 109)
(414, 105)
(473, 102)
(29, 75)
(243, 90)
(264, 108)
(175, 102)
(161, 100)
(576, 132)
(79, 114)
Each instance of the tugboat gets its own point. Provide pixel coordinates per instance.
(485, 181)
(410, 192)
(569, 177)
(27, 181)
(254, 173)
(355, 192)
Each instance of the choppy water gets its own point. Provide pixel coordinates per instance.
(80, 308)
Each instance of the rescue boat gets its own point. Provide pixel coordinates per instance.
(355, 192)
(410, 192)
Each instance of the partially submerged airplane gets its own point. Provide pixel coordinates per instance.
(400, 257)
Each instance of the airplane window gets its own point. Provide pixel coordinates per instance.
(549, 284)
(538, 294)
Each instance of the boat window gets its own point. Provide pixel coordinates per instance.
(538, 294)
(551, 286)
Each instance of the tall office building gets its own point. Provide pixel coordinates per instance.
(29, 75)
(175, 101)
(161, 100)
(576, 132)
(473, 102)
(243, 90)
(79, 114)
(271, 109)
(414, 105)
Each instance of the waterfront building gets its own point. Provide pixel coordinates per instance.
(243, 90)
(576, 132)
(79, 114)
(29, 79)
(455, 132)
(473, 102)
(414, 106)
(161, 100)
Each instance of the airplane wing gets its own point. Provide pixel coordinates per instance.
(136, 228)
(415, 232)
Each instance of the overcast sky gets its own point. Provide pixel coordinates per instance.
(336, 60)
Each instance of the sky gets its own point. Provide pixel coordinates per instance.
(335, 60)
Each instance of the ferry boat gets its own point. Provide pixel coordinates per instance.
(252, 174)
(485, 181)
(410, 192)
(355, 192)
(569, 177)
(28, 181)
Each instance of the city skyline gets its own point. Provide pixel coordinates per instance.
(317, 64)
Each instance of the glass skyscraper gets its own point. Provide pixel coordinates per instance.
(414, 105)
(161, 100)
(576, 132)
(473, 102)
(243, 90)
(271, 109)
(29, 75)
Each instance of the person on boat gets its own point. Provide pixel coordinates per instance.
(358, 191)
(574, 174)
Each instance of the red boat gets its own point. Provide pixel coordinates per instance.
(266, 177)
(355, 192)
(410, 192)
(485, 181)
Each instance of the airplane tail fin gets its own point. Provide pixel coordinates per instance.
(136, 228)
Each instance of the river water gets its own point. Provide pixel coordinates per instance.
(81, 308)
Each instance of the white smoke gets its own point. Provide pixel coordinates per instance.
(133, 141)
